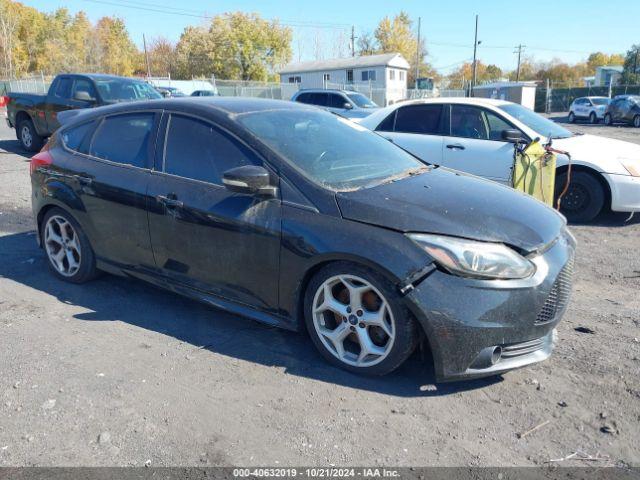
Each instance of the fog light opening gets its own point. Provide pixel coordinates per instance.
(496, 355)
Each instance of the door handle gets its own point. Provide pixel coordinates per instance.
(83, 180)
(169, 202)
(455, 146)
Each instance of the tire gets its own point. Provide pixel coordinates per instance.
(28, 137)
(584, 199)
(636, 121)
(74, 240)
(593, 118)
(572, 117)
(392, 350)
(608, 121)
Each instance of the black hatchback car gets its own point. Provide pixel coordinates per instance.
(623, 109)
(300, 218)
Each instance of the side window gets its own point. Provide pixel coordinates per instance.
(63, 89)
(73, 138)
(84, 85)
(423, 119)
(387, 123)
(496, 126)
(196, 149)
(468, 122)
(124, 139)
(303, 98)
(337, 101)
(319, 99)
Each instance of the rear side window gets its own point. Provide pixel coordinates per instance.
(124, 139)
(337, 101)
(304, 98)
(319, 99)
(424, 119)
(196, 149)
(74, 138)
(63, 88)
(387, 123)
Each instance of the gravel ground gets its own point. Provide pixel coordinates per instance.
(116, 372)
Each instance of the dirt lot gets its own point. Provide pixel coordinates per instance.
(119, 373)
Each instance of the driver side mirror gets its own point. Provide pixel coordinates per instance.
(512, 136)
(249, 180)
(83, 96)
(347, 106)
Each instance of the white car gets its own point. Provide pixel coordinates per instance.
(475, 135)
(591, 108)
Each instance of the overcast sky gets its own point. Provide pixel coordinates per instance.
(566, 29)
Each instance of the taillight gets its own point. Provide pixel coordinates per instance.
(41, 159)
(4, 101)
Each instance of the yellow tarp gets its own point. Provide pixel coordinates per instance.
(534, 172)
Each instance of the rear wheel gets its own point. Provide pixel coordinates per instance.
(572, 117)
(28, 137)
(593, 119)
(607, 119)
(583, 200)
(636, 121)
(356, 320)
(68, 250)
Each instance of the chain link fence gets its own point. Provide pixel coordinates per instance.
(559, 97)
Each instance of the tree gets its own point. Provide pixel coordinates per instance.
(162, 57)
(484, 73)
(117, 53)
(631, 71)
(366, 44)
(8, 27)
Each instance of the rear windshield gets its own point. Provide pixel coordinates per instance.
(121, 90)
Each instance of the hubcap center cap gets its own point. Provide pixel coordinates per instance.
(353, 320)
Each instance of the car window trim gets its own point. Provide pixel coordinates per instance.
(167, 123)
(156, 124)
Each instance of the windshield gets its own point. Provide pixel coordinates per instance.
(600, 101)
(542, 126)
(330, 150)
(119, 90)
(361, 101)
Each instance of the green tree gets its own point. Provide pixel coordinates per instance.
(117, 53)
(631, 72)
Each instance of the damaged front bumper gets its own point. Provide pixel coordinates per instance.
(477, 328)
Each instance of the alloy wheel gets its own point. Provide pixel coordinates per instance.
(62, 245)
(25, 135)
(353, 320)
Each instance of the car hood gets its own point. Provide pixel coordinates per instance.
(603, 152)
(452, 203)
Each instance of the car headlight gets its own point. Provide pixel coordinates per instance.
(469, 258)
(631, 166)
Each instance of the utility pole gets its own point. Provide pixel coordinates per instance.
(475, 47)
(418, 54)
(519, 52)
(353, 41)
(146, 55)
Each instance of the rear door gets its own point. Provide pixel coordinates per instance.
(336, 103)
(418, 129)
(110, 175)
(203, 235)
(475, 143)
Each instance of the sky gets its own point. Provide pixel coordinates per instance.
(564, 29)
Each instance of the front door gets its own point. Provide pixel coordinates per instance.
(475, 144)
(203, 235)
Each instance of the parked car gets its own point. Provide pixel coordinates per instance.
(591, 108)
(204, 93)
(170, 92)
(623, 109)
(343, 102)
(35, 117)
(474, 134)
(299, 218)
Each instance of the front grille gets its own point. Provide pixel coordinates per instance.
(558, 297)
(522, 348)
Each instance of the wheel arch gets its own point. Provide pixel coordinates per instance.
(22, 116)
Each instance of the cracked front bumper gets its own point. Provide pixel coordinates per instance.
(465, 320)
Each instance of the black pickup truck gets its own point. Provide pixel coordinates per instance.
(35, 116)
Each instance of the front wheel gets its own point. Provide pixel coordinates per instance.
(607, 119)
(636, 121)
(572, 117)
(68, 250)
(28, 137)
(584, 198)
(357, 321)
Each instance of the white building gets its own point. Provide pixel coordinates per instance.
(608, 74)
(523, 93)
(383, 77)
